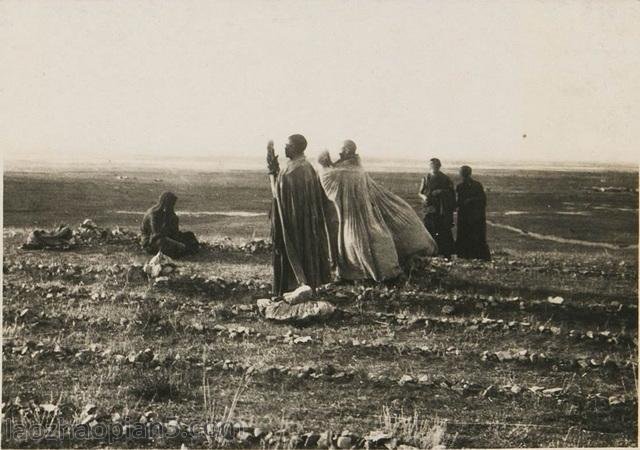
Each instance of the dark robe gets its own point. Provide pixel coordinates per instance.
(439, 207)
(472, 224)
(301, 253)
(161, 232)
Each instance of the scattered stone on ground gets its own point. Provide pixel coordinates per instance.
(160, 265)
(253, 247)
(308, 311)
(556, 300)
(613, 189)
(300, 295)
(60, 239)
(88, 233)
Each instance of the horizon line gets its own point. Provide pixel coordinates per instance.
(75, 160)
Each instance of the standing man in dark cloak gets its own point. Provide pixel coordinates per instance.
(440, 201)
(301, 255)
(471, 242)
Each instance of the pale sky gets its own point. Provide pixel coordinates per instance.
(457, 79)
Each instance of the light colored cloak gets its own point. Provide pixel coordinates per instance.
(377, 230)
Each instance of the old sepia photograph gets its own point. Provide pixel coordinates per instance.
(338, 224)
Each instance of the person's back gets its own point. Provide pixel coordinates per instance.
(158, 223)
(365, 246)
(377, 229)
(296, 170)
(146, 228)
(471, 200)
(472, 224)
(160, 230)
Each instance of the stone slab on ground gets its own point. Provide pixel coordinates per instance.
(309, 311)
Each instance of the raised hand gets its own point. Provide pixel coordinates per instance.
(272, 160)
(325, 159)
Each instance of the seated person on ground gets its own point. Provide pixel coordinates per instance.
(160, 230)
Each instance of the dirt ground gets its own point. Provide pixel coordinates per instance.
(457, 354)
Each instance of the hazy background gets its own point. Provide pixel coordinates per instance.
(87, 81)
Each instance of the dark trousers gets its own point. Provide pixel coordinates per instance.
(440, 230)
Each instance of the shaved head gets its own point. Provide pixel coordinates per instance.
(299, 141)
(348, 149)
(296, 146)
(465, 171)
(350, 146)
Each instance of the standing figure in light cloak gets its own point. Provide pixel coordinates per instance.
(378, 231)
(301, 254)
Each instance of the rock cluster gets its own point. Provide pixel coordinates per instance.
(148, 427)
(613, 189)
(197, 284)
(88, 233)
(160, 265)
(149, 359)
(252, 247)
(487, 323)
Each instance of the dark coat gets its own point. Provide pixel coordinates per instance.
(441, 199)
(158, 223)
(299, 229)
(161, 230)
(471, 239)
(439, 207)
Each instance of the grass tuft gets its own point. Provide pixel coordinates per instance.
(159, 386)
(414, 430)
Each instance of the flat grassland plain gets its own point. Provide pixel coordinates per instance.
(460, 354)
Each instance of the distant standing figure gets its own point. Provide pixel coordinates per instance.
(471, 239)
(160, 230)
(439, 199)
(301, 254)
(377, 230)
